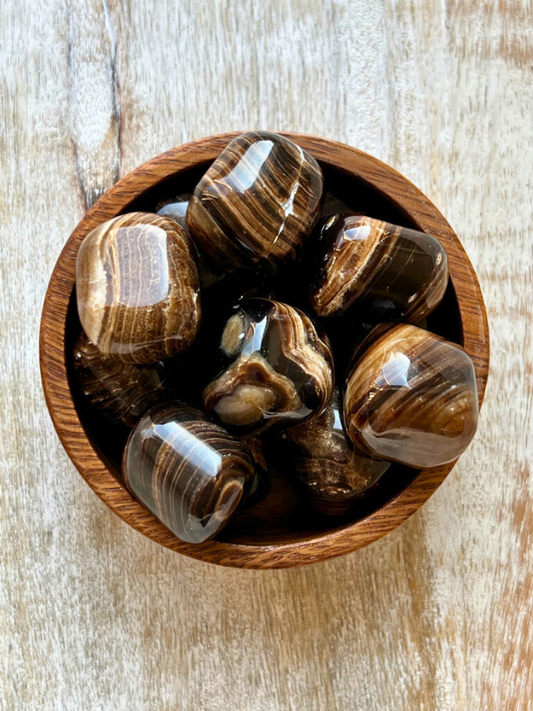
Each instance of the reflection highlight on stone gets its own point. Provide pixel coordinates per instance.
(386, 272)
(175, 209)
(258, 201)
(188, 471)
(278, 368)
(137, 288)
(411, 398)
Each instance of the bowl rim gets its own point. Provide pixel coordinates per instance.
(91, 464)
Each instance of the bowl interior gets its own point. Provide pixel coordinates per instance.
(284, 516)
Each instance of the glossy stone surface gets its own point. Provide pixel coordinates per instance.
(386, 272)
(175, 208)
(137, 288)
(278, 372)
(258, 201)
(411, 398)
(119, 392)
(189, 472)
(319, 459)
(261, 483)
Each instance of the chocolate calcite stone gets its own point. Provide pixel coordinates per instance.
(411, 398)
(175, 208)
(319, 459)
(188, 471)
(120, 392)
(386, 272)
(261, 483)
(278, 372)
(258, 201)
(137, 288)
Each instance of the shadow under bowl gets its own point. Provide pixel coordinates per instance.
(283, 530)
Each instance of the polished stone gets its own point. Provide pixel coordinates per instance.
(175, 208)
(411, 398)
(380, 271)
(116, 391)
(319, 459)
(278, 368)
(137, 288)
(188, 471)
(258, 201)
(260, 486)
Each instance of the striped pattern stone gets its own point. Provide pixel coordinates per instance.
(411, 398)
(187, 471)
(137, 288)
(258, 201)
(387, 272)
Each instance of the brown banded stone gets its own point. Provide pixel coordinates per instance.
(188, 471)
(117, 391)
(258, 201)
(279, 368)
(137, 288)
(319, 459)
(387, 272)
(411, 398)
(175, 208)
(260, 486)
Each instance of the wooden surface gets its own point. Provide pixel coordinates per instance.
(437, 615)
(288, 546)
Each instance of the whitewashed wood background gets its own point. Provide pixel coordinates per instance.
(438, 615)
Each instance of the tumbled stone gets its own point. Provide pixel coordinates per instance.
(411, 398)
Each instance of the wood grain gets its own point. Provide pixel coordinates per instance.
(437, 615)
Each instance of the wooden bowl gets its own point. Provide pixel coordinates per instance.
(282, 531)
